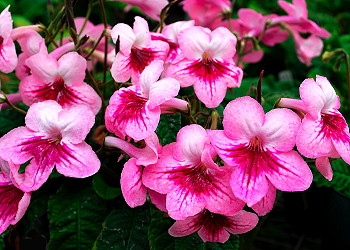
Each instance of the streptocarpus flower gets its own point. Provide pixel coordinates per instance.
(135, 111)
(298, 20)
(208, 64)
(53, 136)
(214, 227)
(62, 81)
(307, 48)
(260, 147)
(324, 132)
(137, 50)
(8, 56)
(133, 190)
(13, 201)
(187, 174)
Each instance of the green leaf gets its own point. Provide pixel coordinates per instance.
(341, 177)
(124, 228)
(10, 119)
(168, 127)
(161, 240)
(76, 214)
(104, 190)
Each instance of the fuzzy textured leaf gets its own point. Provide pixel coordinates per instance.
(124, 228)
(76, 214)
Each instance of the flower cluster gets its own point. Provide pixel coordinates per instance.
(205, 178)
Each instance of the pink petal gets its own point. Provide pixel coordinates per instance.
(324, 167)
(8, 56)
(77, 160)
(312, 140)
(194, 41)
(248, 180)
(162, 91)
(75, 130)
(190, 143)
(14, 143)
(43, 117)
(287, 171)
(5, 23)
(120, 69)
(133, 190)
(220, 198)
(158, 199)
(80, 94)
(35, 175)
(72, 68)
(43, 67)
(185, 227)
(206, 234)
(222, 44)
(14, 203)
(243, 118)
(265, 205)
(242, 222)
(141, 31)
(126, 37)
(181, 203)
(280, 129)
(150, 75)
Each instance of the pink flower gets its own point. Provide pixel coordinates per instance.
(214, 227)
(61, 80)
(260, 147)
(298, 20)
(53, 136)
(204, 12)
(137, 50)
(8, 56)
(208, 63)
(13, 202)
(186, 173)
(151, 8)
(135, 111)
(133, 190)
(307, 48)
(324, 132)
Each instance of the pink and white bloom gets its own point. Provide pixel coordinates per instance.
(53, 136)
(8, 56)
(134, 192)
(259, 147)
(135, 111)
(214, 227)
(204, 12)
(60, 80)
(208, 63)
(13, 201)
(324, 132)
(151, 8)
(298, 20)
(307, 48)
(187, 174)
(137, 50)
